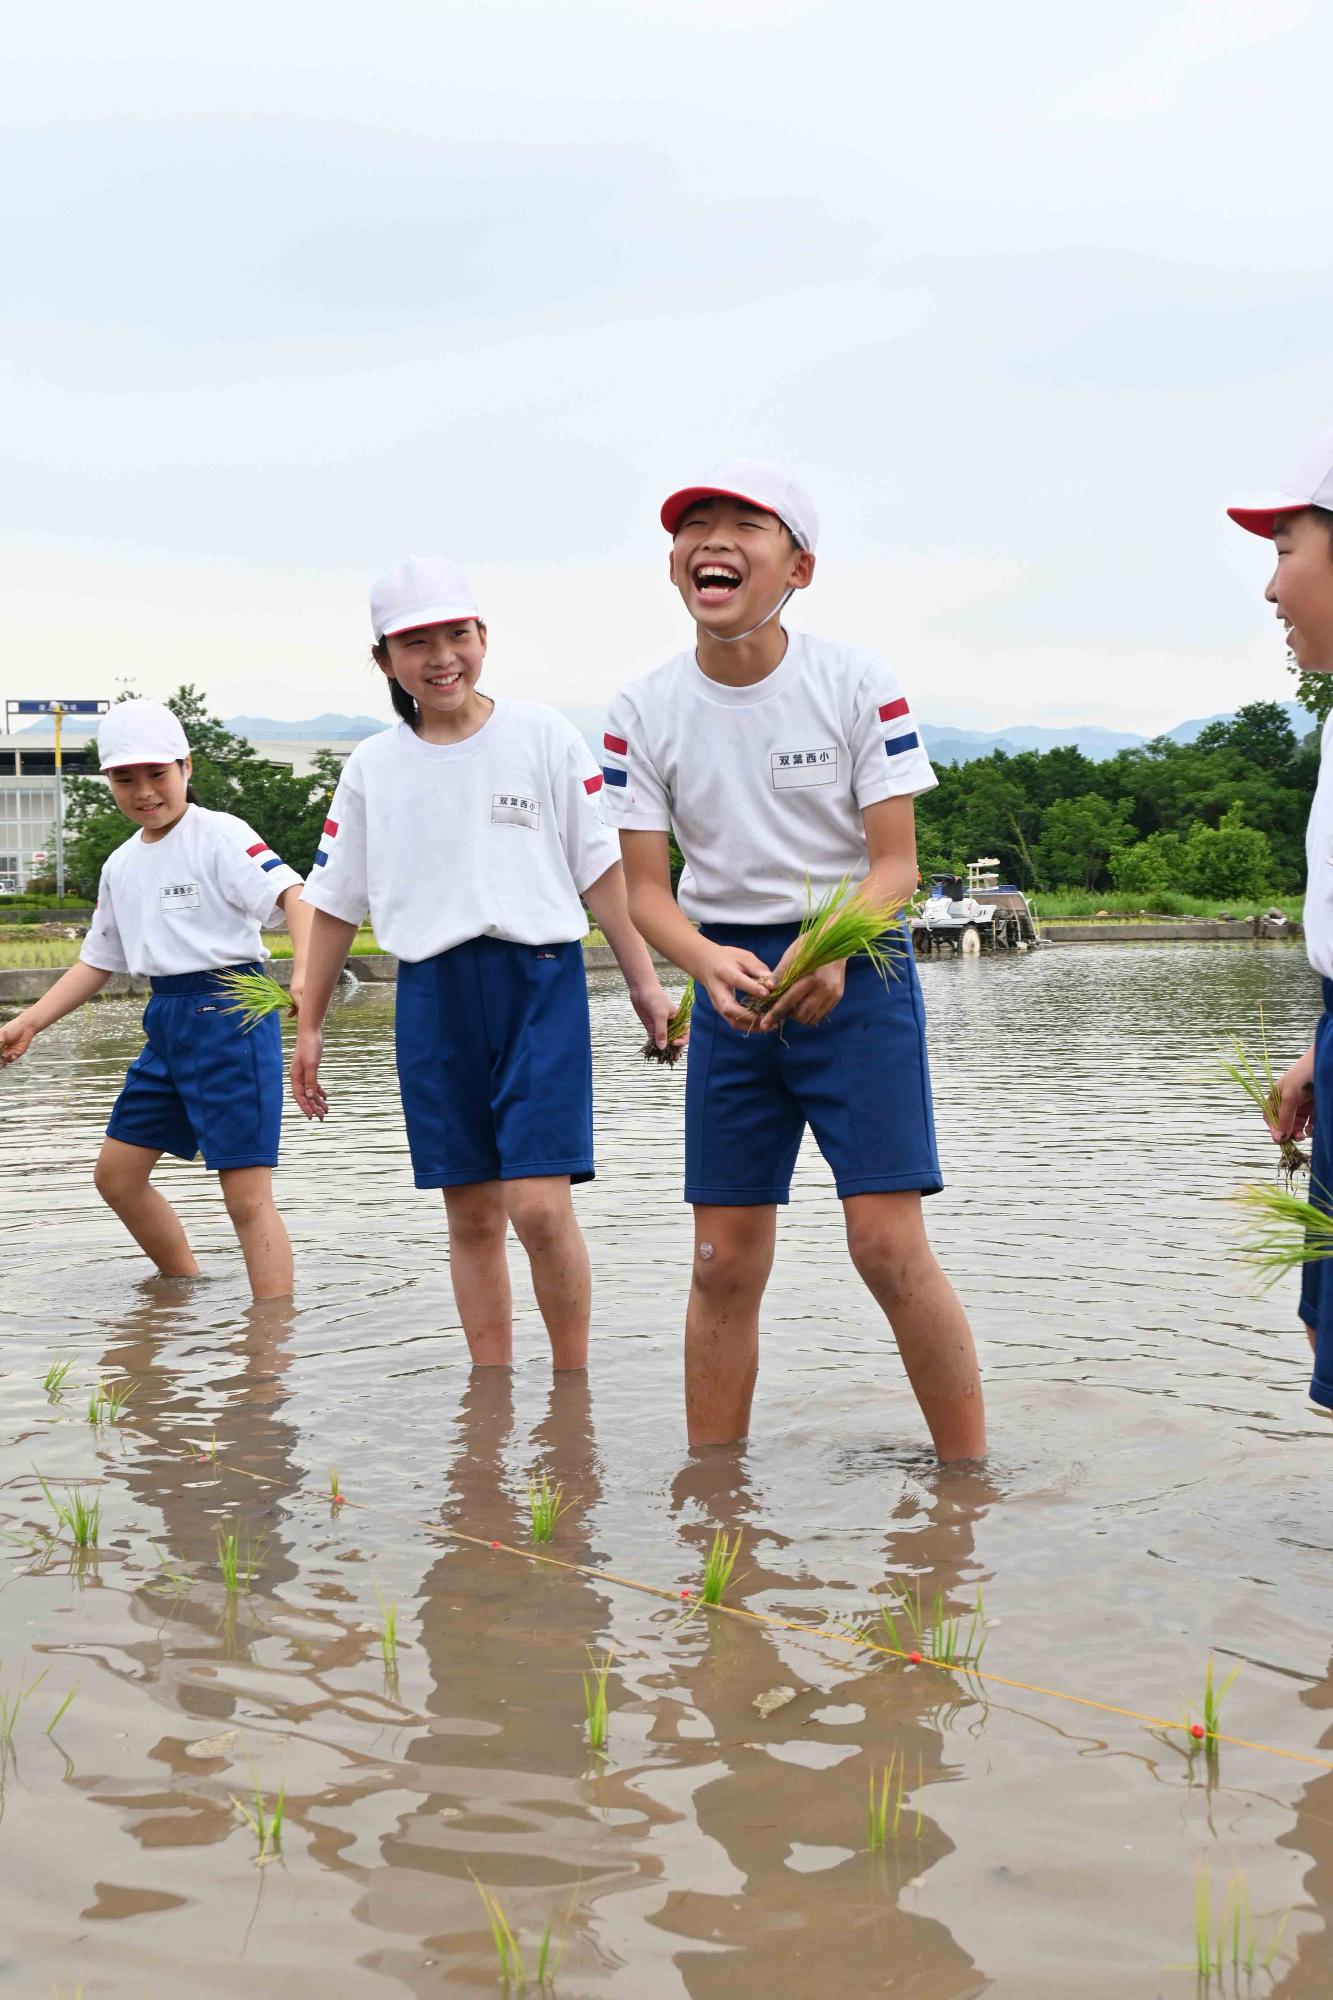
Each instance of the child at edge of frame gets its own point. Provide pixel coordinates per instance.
(785, 764)
(1298, 520)
(184, 898)
(472, 833)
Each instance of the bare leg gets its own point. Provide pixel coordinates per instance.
(733, 1255)
(121, 1178)
(248, 1193)
(1308, 1331)
(542, 1213)
(478, 1224)
(887, 1239)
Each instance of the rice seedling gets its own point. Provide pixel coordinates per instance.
(254, 995)
(81, 1516)
(1211, 1710)
(54, 1379)
(844, 923)
(545, 1506)
(929, 1630)
(116, 1399)
(1232, 1940)
(509, 1957)
(95, 1402)
(336, 1495)
(886, 1810)
(720, 1563)
(594, 1698)
(51, 1725)
(11, 1704)
(1260, 1086)
(1288, 1232)
(265, 1826)
(388, 1631)
(239, 1558)
(678, 1028)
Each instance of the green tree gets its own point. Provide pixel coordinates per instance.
(1150, 867)
(1078, 837)
(1231, 859)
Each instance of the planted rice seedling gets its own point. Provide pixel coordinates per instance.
(81, 1516)
(545, 1507)
(720, 1563)
(509, 1957)
(1289, 1231)
(678, 1029)
(931, 1631)
(336, 1494)
(594, 1697)
(116, 1399)
(265, 1826)
(1260, 1086)
(886, 1809)
(844, 923)
(51, 1725)
(239, 1558)
(1211, 1713)
(254, 995)
(1232, 1940)
(388, 1630)
(11, 1704)
(54, 1379)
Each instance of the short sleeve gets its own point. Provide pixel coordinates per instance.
(337, 884)
(252, 876)
(103, 947)
(888, 756)
(635, 794)
(589, 845)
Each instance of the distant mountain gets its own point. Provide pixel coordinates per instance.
(327, 728)
(963, 746)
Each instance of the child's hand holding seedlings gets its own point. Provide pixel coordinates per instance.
(16, 1038)
(650, 1002)
(730, 969)
(1295, 1088)
(809, 999)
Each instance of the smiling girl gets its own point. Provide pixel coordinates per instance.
(472, 834)
(183, 899)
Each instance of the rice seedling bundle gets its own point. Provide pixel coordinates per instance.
(844, 923)
(719, 1565)
(253, 995)
(1288, 1231)
(265, 1826)
(1260, 1086)
(594, 1698)
(81, 1516)
(545, 1506)
(931, 1630)
(678, 1028)
(1235, 1940)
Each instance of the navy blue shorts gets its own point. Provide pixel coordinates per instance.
(202, 1083)
(495, 1063)
(859, 1079)
(1316, 1307)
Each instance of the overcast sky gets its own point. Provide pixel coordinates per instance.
(1024, 294)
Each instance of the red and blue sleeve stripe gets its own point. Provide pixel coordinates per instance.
(330, 830)
(615, 774)
(262, 847)
(894, 746)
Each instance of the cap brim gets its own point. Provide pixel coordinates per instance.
(430, 614)
(678, 504)
(1258, 518)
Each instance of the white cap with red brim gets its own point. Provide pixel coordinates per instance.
(421, 590)
(1310, 485)
(139, 732)
(764, 486)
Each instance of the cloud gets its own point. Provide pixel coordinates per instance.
(1153, 77)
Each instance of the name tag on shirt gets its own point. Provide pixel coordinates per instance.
(179, 896)
(795, 768)
(513, 809)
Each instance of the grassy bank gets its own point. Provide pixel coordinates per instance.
(1057, 905)
(20, 953)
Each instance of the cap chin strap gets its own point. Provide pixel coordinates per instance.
(734, 638)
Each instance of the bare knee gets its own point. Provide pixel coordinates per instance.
(477, 1223)
(246, 1204)
(730, 1271)
(115, 1185)
(540, 1223)
(893, 1265)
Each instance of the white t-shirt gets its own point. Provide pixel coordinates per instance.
(763, 785)
(1319, 864)
(496, 836)
(190, 902)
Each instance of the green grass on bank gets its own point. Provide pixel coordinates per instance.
(1057, 905)
(19, 953)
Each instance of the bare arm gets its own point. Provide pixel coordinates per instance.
(70, 991)
(608, 906)
(721, 970)
(1295, 1086)
(890, 829)
(330, 941)
(299, 917)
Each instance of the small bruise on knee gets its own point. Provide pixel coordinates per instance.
(705, 1252)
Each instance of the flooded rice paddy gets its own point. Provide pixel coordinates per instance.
(1156, 1493)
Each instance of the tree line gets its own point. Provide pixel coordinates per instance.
(1222, 816)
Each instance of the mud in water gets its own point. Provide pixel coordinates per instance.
(1156, 1493)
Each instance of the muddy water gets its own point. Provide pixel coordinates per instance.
(1156, 1492)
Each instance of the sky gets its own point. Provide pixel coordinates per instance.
(1024, 295)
